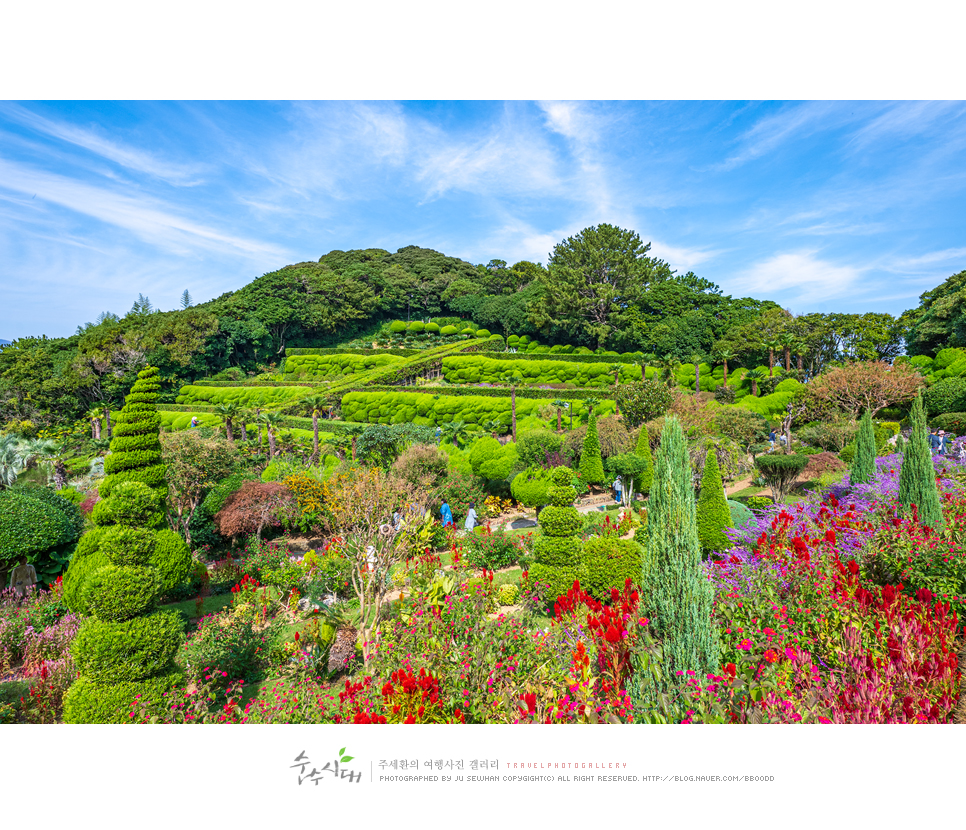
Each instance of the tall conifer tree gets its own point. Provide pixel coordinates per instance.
(863, 466)
(591, 462)
(917, 477)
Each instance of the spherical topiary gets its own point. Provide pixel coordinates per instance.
(448, 331)
(482, 333)
(560, 520)
(397, 326)
(127, 545)
(171, 559)
(467, 332)
(41, 524)
(416, 327)
(562, 496)
(609, 562)
(531, 487)
(87, 558)
(432, 328)
(513, 341)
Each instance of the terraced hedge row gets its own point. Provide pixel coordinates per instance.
(771, 406)
(299, 427)
(569, 394)
(327, 367)
(430, 410)
(479, 369)
(243, 395)
(296, 352)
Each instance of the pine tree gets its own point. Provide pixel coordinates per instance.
(186, 299)
(642, 483)
(917, 476)
(591, 462)
(863, 466)
(713, 514)
(677, 594)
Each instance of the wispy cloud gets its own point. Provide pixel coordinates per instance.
(132, 158)
(796, 278)
(143, 217)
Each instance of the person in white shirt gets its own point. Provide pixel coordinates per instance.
(470, 518)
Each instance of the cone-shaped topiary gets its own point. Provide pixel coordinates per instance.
(863, 465)
(713, 514)
(558, 551)
(119, 570)
(136, 448)
(642, 482)
(591, 462)
(677, 594)
(917, 476)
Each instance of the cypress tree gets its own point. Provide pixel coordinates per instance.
(917, 476)
(677, 594)
(713, 514)
(591, 462)
(863, 466)
(136, 446)
(642, 483)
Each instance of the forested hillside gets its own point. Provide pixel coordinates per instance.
(600, 290)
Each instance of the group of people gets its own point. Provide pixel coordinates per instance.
(446, 515)
(940, 442)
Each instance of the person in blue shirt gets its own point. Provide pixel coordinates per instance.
(470, 518)
(447, 515)
(934, 441)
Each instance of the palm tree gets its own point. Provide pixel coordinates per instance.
(559, 405)
(228, 411)
(244, 416)
(771, 345)
(93, 416)
(616, 369)
(668, 365)
(107, 422)
(317, 403)
(648, 358)
(724, 356)
(454, 431)
(787, 341)
(49, 455)
(11, 460)
(272, 421)
(494, 427)
(592, 404)
(753, 376)
(800, 347)
(697, 374)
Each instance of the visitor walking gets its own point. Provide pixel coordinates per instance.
(943, 445)
(771, 438)
(934, 441)
(447, 515)
(470, 518)
(618, 486)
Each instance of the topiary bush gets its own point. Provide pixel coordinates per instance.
(118, 572)
(448, 331)
(713, 515)
(558, 550)
(591, 463)
(609, 562)
(643, 481)
(946, 395)
(532, 487)
(781, 472)
(139, 418)
(642, 400)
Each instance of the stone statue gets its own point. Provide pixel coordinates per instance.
(23, 577)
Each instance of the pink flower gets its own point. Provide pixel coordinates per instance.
(744, 645)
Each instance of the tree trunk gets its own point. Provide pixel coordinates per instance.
(60, 475)
(697, 379)
(643, 371)
(771, 362)
(754, 388)
(228, 430)
(513, 411)
(725, 372)
(353, 447)
(558, 420)
(271, 442)
(799, 362)
(96, 428)
(107, 423)
(788, 359)
(244, 431)
(315, 434)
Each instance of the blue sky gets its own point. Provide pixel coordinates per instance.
(821, 206)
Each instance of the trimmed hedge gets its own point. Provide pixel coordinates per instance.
(318, 367)
(429, 410)
(566, 394)
(89, 702)
(480, 369)
(249, 396)
(38, 522)
(293, 352)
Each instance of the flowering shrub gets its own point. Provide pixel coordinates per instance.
(233, 644)
(487, 549)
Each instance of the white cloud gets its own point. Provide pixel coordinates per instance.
(681, 259)
(153, 224)
(798, 278)
(934, 258)
(131, 158)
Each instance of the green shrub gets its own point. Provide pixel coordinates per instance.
(712, 513)
(591, 463)
(535, 447)
(240, 648)
(917, 476)
(560, 521)
(432, 328)
(491, 550)
(171, 559)
(954, 422)
(397, 326)
(125, 546)
(448, 331)
(507, 594)
(505, 369)
(109, 652)
(558, 550)
(740, 514)
(759, 502)
(642, 400)
(609, 562)
(417, 327)
(863, 467)
(780, 472)
(946, 395)
(531, 487)
(491, 459)
(643, 481)
(87, 702)
(118, 592)
(41, 524)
